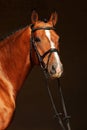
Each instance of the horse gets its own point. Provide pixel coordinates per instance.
(19, 53)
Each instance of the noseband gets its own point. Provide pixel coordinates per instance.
(63, 118)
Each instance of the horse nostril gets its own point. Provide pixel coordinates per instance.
(53, 67)
(53, 70)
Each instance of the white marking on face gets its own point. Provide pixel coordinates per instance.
(53, 46)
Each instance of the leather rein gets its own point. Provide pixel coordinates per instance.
(63, 118)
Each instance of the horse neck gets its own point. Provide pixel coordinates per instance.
(15, 57)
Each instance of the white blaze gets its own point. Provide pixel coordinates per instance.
(53, 46)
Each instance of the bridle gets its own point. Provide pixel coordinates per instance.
(63, 118)
(48, 52)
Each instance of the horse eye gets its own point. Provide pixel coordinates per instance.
(37, 39)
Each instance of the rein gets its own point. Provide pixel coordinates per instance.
(63, 118)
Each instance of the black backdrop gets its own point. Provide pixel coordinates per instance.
(33, 109)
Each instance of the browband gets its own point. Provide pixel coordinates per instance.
(42, 28)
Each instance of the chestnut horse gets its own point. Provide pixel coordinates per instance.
(16, 61)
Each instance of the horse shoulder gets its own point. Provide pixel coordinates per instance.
(7, 101)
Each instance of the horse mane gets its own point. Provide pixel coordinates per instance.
(5, 36)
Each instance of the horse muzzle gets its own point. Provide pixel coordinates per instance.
(55, 70)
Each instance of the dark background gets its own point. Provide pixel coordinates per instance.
(33, 108)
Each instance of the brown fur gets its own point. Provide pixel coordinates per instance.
(14, 66)
(15, 63)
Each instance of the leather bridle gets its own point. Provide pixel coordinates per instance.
(48, 52)
(63, 118)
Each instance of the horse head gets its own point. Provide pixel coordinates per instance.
(46, 44)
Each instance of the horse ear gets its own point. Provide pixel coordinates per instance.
(53, 18)
(34, 17)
